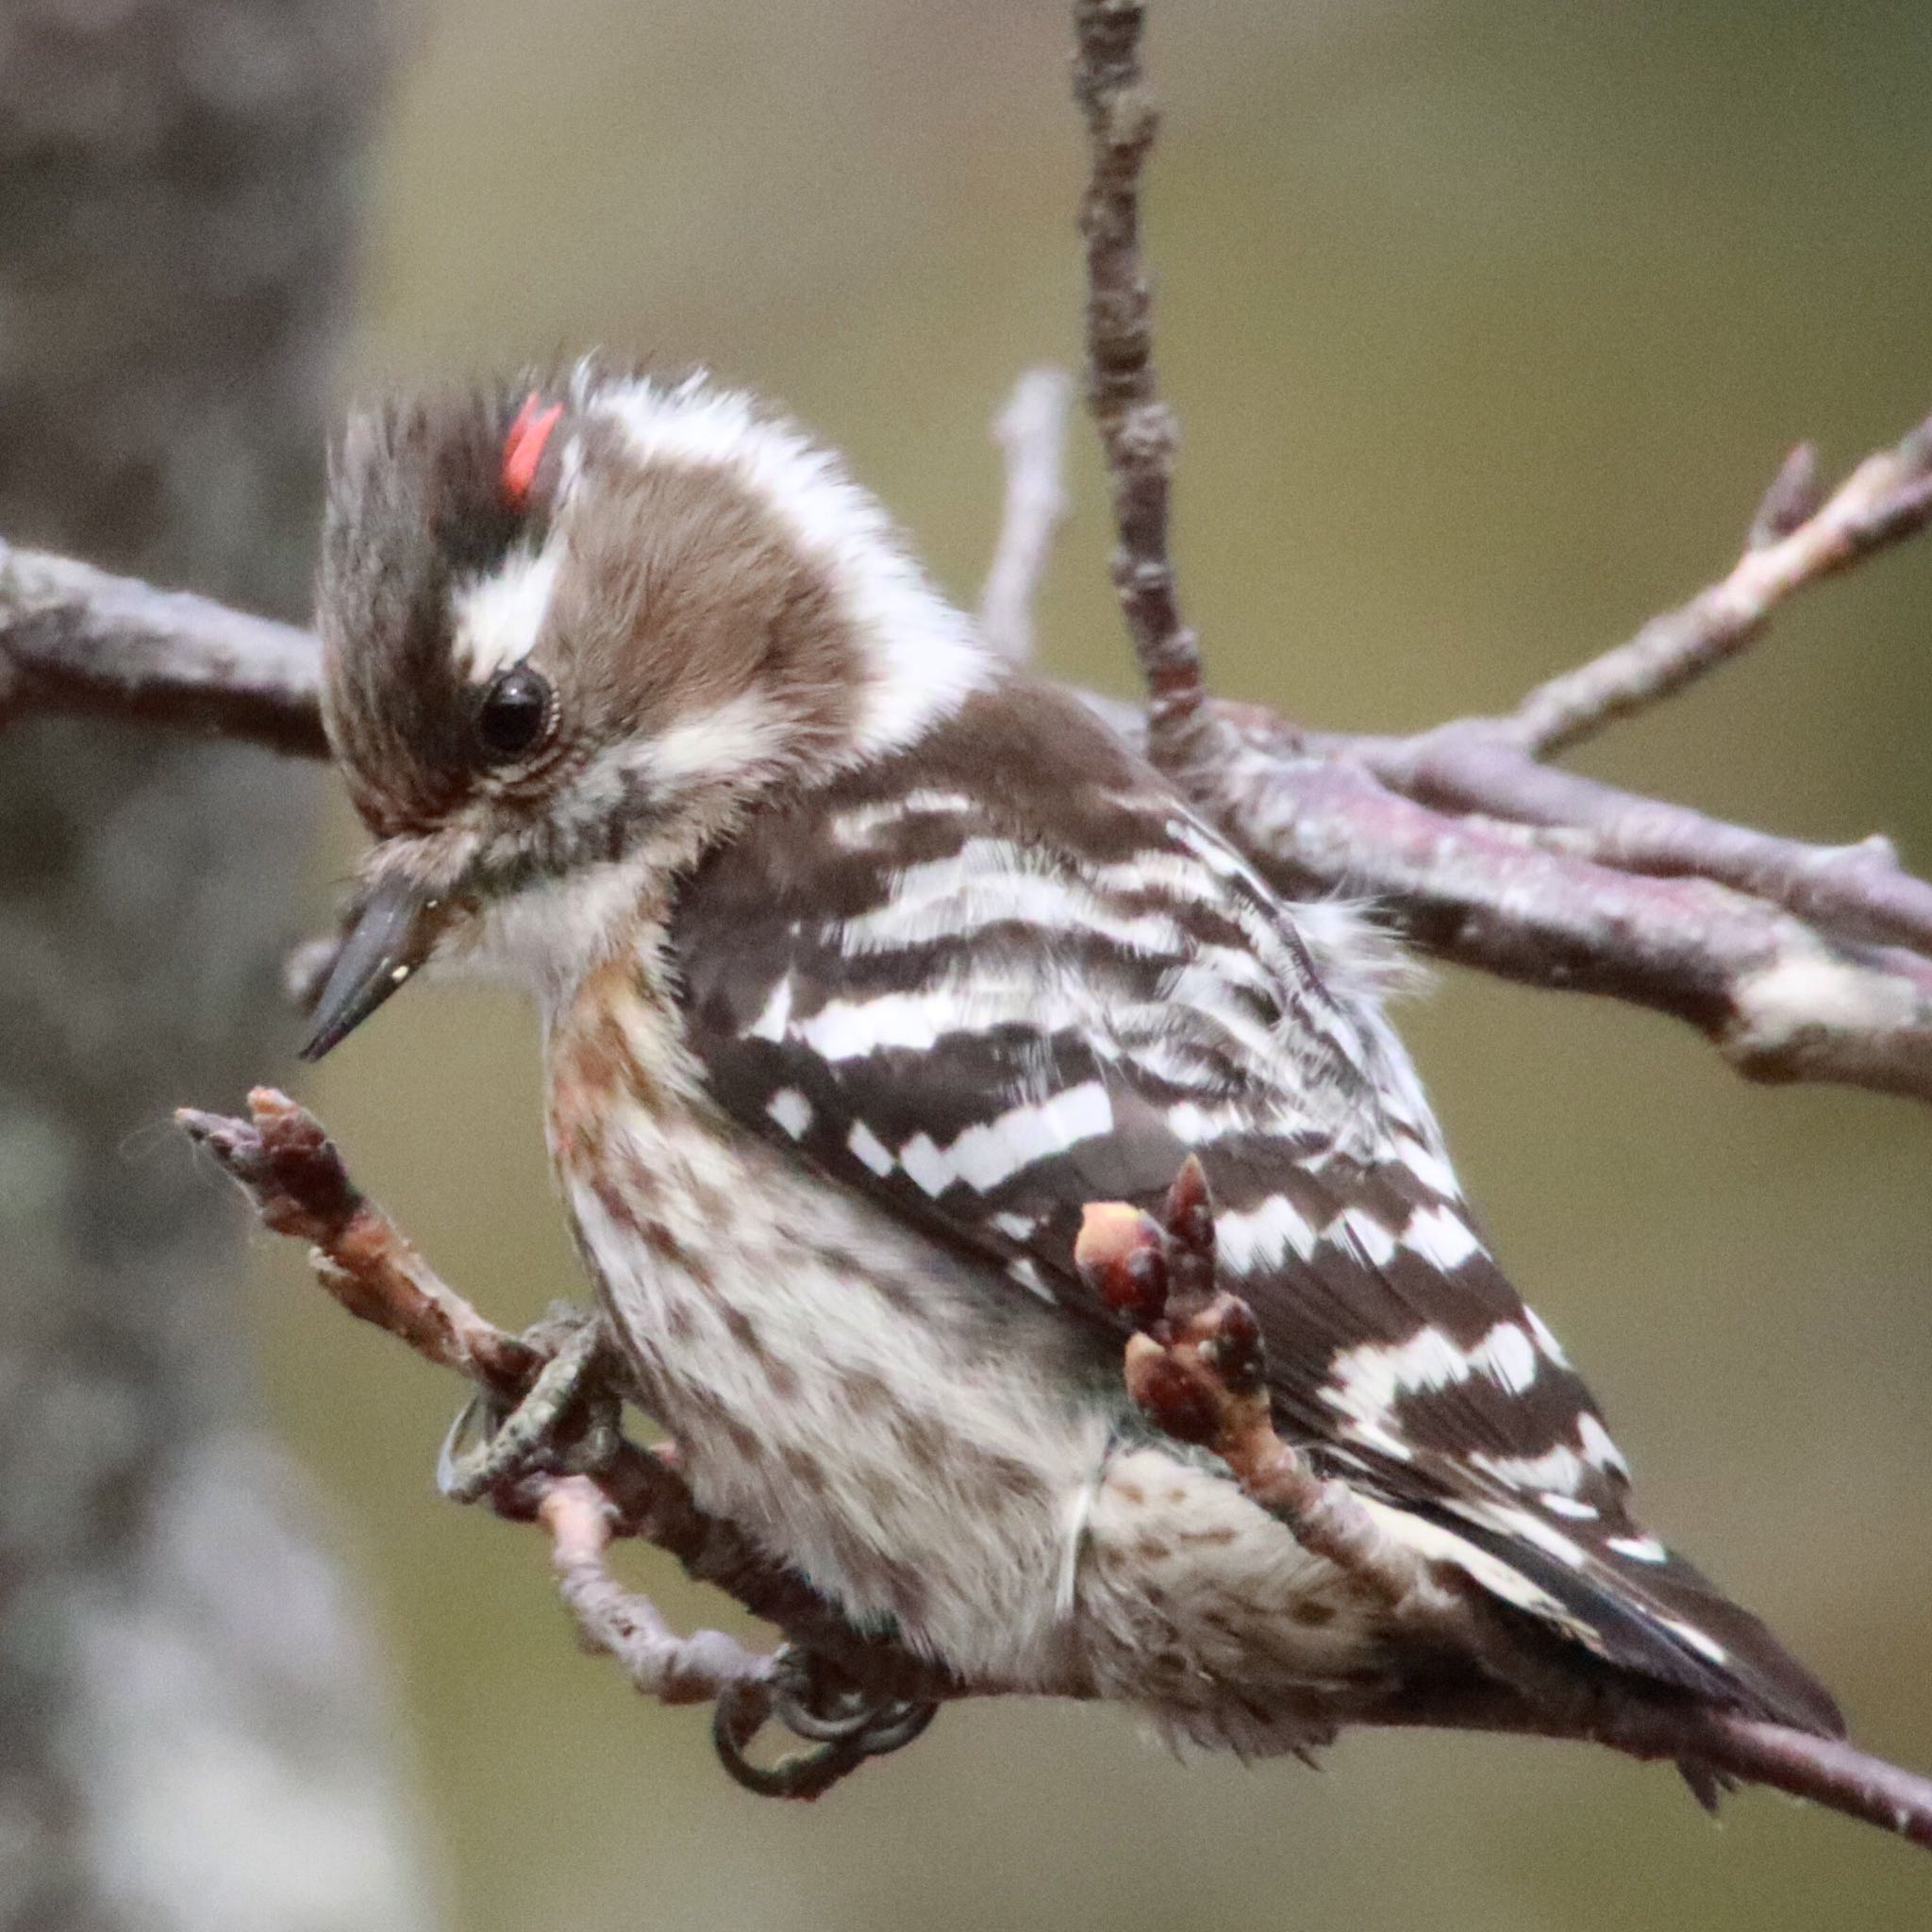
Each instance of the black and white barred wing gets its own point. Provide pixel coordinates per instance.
(992, 983)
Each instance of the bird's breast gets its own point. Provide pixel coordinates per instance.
(908, 1433)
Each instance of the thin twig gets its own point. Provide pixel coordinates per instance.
(1137, 429)
(1889, 496)
(296, 1180)
(1196, 1369)
(1031, 432)
(1855, 893)
(1779, 999)
(624, 1624)
(299, 1185)
(295, 1176)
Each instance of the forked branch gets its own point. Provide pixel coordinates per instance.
(1799, 962)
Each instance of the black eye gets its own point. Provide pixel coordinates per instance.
(515, 709)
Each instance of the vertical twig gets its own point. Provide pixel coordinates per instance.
(1137, 429)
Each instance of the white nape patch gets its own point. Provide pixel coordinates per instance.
(1545, 1340)
(722, 742)
(1598, 1447)
(870, 1148)
(994, 1151)
(1263, 1236)
(791, 1111)
(1368, 1383)
(924, 657)
(1640, 1549)
(496, 620)
(1706, 1646)
(1018, 1227)
(1442, 1237)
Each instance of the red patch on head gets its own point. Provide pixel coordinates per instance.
(523, 448)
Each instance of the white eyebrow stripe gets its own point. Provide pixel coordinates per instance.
(498, 619)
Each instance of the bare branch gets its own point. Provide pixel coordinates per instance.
(1780, 999)
(1137, 429)
(625, 1626)
(1196, 1362)
(1799, 962)
(74, 639)
(1887, 497)
(1031, 432)
(295, 1177)
(1856, 892)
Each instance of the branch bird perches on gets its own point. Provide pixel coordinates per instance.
(1194, 1368)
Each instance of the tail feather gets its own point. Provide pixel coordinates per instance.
(1664, 1621)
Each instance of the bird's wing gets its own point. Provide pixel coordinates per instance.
(1009, 973)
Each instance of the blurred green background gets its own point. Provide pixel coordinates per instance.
(1487, 324)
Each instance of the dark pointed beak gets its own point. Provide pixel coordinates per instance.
(390, 937)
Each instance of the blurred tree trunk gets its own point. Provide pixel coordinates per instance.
(190, 1719)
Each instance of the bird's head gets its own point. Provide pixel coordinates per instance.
(571, 631)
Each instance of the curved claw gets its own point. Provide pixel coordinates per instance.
(810, 1708)
(461, 1462)
(897, 1724)
(563, 1423)
(844, 1726)
(738, 1717)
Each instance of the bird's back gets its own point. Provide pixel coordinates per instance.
(1007, 973)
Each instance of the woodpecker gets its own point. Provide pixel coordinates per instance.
(864, 961)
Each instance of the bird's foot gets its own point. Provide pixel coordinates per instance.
(567, 1424)
(843, 1723)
